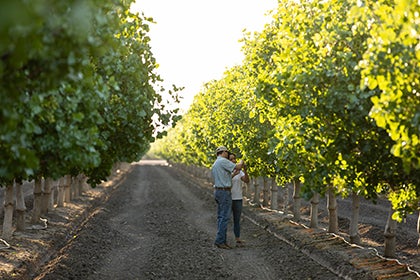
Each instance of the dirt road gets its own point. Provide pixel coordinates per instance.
(158, 225)
(154, 221)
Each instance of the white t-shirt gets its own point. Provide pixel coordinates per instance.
(237, 186)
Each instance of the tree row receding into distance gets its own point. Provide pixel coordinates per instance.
(327, 95)
(79, 93)
(78, 88)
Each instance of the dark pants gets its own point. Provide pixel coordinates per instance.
(224, 208)
(237, 211)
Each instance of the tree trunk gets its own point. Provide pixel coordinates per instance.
(266, 192)
(1, 206)
(8, 212)
(20, 208)
(274, 194)
(286, 195)
(314, 210)
(354, 221)
(47, 196)
(418, 229)
(67, 191)
(36, 211)
(247, 191)
(389, 234)
(71, 180)
(55, 192)
(256, 199)
(82, 183)
(332, 210)
(52, 199)
(60, 194)
(75, 187)
(296, 200)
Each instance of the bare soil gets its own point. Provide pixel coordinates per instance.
(154, 221)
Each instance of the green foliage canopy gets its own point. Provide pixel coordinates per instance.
(77, 86)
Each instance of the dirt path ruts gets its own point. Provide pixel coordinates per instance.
(158, 225)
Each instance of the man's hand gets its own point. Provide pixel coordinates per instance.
(235, 172)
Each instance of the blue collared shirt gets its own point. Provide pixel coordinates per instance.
(222, 172)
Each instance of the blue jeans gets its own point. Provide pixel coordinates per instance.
(237, 211)
(224, 208)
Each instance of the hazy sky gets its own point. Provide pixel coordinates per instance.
(195, 41)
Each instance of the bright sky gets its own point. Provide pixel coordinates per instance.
(195, 41)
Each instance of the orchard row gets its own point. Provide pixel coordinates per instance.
(327, 95)
(78, 89)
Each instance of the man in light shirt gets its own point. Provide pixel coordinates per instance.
(221, 171)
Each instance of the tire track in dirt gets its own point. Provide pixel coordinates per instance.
(160, 225)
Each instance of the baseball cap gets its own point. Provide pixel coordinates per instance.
(221, 149)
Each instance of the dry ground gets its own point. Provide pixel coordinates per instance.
(156, 222)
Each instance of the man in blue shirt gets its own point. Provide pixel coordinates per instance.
(222, 176)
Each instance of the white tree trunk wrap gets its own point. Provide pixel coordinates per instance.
(256, 198)
(20, 208)
(60, 195)
(8, 212)
(75, 181)
(36, 211)
(266, 192)
(354, 221)
(296, 200)
(47, 196)
(247, 191)
(389, 234)
(67, 191)
(274, 194)
(314, 210)
(418, 229)
(286, 196)
(332, 212)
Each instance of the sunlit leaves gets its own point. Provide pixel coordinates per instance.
(77, 88)
(404, 200)
(391, 63)
(328, 93)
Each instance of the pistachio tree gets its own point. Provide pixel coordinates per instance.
(78, 90)
(391, 65)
